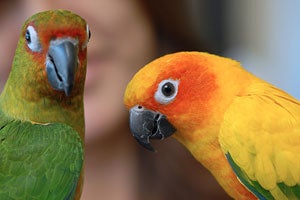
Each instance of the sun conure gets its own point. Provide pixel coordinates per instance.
(245, 131)
(41, 110)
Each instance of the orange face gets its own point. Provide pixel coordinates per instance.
(173, 93)
(179, 86)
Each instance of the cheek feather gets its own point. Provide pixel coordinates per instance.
(194, 101)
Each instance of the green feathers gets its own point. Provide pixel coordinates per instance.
(280, 191)
(38, 161)
(42, 122)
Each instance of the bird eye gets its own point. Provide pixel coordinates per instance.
(88, 36)
(27, 37)
(166, 91)
(89, 33)
(32, 39)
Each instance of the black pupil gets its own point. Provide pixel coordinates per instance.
(168, 89)
(27, 37)
(90, 34)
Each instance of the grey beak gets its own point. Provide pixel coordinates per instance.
(146, 124)
(61, 64)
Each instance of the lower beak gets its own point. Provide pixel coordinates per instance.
(61, 64)
(146, 124)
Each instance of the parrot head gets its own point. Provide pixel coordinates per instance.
(46, 81)
(51, 52)
(175, 94)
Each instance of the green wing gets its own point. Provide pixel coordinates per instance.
(39, 161)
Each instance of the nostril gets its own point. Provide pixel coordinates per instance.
(140, 107)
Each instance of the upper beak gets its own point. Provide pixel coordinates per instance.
(61, 64)
(146, 124)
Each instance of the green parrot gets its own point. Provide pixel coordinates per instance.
(41, 110)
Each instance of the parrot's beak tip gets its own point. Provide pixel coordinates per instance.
(147, 146)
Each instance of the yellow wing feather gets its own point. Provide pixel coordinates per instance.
(261, 131)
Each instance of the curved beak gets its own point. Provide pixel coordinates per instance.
(61, 64)
(146, 124)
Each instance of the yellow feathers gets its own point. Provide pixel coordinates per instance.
(235, 124)
(261, 131)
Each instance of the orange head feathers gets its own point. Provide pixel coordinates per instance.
(235, 124)
(185, 87)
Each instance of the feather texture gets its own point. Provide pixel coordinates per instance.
(242, 129)
(261, 137)
(38, 161)
(42, 126)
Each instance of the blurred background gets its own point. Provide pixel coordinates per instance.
(126, 34)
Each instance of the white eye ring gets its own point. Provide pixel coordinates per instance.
(32, 39)
(166, 91)
(88, 37)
